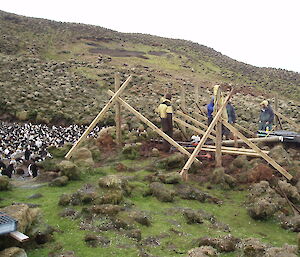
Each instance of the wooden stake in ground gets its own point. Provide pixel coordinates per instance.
(259, 151)
(118, 112)
(98, 118)
(151, 125)
(188, 164)
(183, 102)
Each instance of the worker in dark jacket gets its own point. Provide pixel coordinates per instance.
(266, 117)
(165, 112)
(230, 113)
(210, 110)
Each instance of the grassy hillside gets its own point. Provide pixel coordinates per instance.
(57, 72)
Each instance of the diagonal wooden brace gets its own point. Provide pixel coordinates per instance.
(259, 151)
(98, 117)
(196, 122)
(197, 130)
(204, 138)
(151, 125)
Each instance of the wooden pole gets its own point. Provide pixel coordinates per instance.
(182, 101)
(118, 112)
(259, 151)
(232, 152)
(197, 91)
(201, 112)
(151, 125)
(247, 131)
(276, 108)
(188, 164)
(235, 149)
(293, 123)
(218, 141)
(196, 122)
(197, 130)
(199, 116)
(98, 118)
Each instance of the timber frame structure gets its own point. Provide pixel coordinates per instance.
(213, 131)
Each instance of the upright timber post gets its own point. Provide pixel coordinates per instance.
(183, 102)
(118, 112)
(197, 91)
(218, 101)
(276, 109)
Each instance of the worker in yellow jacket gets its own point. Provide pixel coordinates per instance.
(165, 112)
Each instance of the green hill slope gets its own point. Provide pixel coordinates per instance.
(59, 72)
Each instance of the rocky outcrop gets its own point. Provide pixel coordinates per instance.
(161, 192)
(263, 202)
(13, 252)
(83, 157)
(69, 169)
(4, 183)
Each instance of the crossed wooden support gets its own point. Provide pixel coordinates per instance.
(254, 151)
(115, 97)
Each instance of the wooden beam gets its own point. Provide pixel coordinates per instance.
(196, 122)
(199, 116)
(19, 236)
(238, 149)
(293, 123)
(201, 112)
(188, 164)
(151, 125)
(118, 112)
(232, 152)
(98, 118)
(247, 131)
(197, 92)
(183, 102)
(197, 130)
(276, 108)
(259, 151)
(218, 103)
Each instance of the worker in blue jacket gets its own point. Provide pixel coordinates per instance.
(210, 110)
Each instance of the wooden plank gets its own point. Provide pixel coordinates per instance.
(188, 164)
(19, 236)
(196, 122)
(197, 130)
(247, 131)
(201, 112)
(118, 112)
(197, 92)
(183, 102)
(98, 118)
(259, 151)
(276, 108)
(254, 154)
(200, 116)
(218, 154)
(151, 125)
(293, 123)
(238, 149)
(183, 131)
